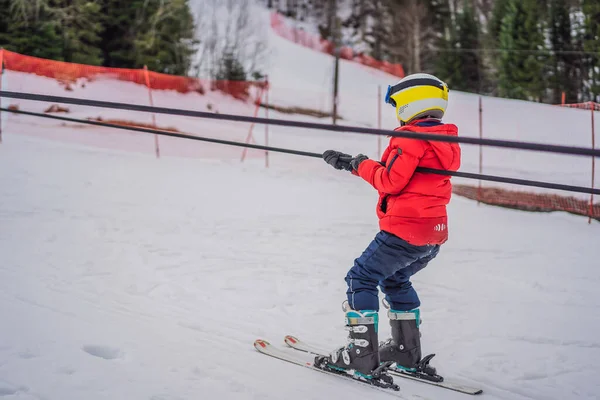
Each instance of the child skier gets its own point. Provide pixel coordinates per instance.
(413, 224)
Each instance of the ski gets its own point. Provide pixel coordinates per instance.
(297, 344)
(268, 349)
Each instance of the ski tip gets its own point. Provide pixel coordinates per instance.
(291, 339)
(260, 343)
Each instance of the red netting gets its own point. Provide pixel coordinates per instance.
(316, 43)
(590, 105)
(68, 73)
(528, 201)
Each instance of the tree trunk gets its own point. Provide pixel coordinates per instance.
(416, 38)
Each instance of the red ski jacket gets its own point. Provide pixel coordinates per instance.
(412, 205)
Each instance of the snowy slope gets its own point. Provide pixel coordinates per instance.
(122, 276)
(127, 277)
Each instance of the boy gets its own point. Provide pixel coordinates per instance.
(413, 224)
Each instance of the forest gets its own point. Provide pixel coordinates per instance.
(524, 49)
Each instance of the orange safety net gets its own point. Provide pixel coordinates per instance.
(316, 43)
(527, 201)
(68, 73)
(590, 105)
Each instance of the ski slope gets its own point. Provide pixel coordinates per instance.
(123, 276)
(127, 277)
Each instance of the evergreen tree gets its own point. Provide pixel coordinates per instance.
(79, 22)
(440, 23)
(231, 69)
(29, 30)
(501, 8)
(520, 63)
(563, 65)
(121, 25)
(448, 66)
(591, 44)
(538, 55)
(468, 56)
(459, 62)
(126, 34)
(167, 42)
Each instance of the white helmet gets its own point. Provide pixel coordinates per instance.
(417, 96)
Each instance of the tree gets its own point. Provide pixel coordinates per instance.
(121, 27)
(166, 42)
(448, 67)
(563, 62)
(231, 69)
(468, 56)
(591, 44)
(411, 34)
(501, 8)
(459, 62)
(27, 28)
(79, 22)
(237, 34)
(521, 63)
(55, 29)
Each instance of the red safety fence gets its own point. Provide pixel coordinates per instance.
(589, 105)
(69, 73)
(315, 42)
(541, 202)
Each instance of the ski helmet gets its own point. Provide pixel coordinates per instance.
(418, 96)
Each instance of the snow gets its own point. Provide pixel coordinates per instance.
(123, 276)
(126, 276)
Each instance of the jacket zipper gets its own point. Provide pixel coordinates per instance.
(389, 167)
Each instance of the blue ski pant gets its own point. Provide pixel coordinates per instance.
(388, 262)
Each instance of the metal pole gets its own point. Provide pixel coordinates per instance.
(592, 106)
(147, 76)
(335, 85)
(480, 149)
(267, 125)
(336, 54)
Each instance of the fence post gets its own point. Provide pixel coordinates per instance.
(1, 76)
(250, 136)
(267, 117)
(379, 100)
(147, 76)
(592, 107)
(480, 149)
(562, 98)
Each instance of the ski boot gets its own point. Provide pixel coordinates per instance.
(360, 357)
(404, 348)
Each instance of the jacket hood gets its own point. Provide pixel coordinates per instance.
(448, 153)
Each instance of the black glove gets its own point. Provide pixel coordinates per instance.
(338, 160)
(355, 162)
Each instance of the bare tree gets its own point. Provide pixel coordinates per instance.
(412, 34)
(229, 27)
